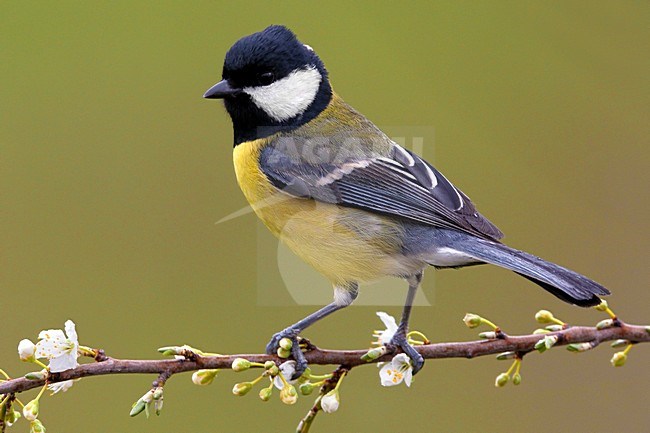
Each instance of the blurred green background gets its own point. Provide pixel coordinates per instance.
(114, 172)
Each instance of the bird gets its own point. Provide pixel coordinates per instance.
(346, 198)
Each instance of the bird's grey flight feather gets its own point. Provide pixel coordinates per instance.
(397, 183)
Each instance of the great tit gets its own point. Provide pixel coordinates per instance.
(346, 198)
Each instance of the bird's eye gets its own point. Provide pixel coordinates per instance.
(266, 78)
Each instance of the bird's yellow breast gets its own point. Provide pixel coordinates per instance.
(344, 244)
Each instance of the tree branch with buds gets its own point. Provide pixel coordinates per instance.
(62, 351)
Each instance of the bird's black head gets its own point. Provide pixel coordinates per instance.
(271, 82)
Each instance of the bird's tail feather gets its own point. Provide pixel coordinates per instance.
(567, 285)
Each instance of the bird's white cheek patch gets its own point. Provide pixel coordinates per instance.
(288, 97)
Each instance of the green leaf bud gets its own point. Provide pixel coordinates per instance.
(488, 335)
(604, 324)
(506, 355)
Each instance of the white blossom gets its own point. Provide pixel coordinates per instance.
(287, 369)
(59, 348)
(385, 336)
(397, 371)
(60, 386)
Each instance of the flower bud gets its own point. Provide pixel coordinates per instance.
(501, 380)
(26, 350)
(544, 316)
(307, 388)
(516, 379)
(30, 411)
(265, 394)
(472, 320)
(283, 353)
(36, 426)
(330, 401)
(374, 353)
(269, 365)
(288, 395)
(554, 328)
(242, 388)
(204, 377)
(241, 364)
(286, 344)
(11, 417)
(539, 331)
(619, 359)
(274, 370)
(304, 377)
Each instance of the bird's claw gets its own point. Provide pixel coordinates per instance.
(296, 352)
(400, 340)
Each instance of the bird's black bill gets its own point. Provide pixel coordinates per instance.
(221, 90)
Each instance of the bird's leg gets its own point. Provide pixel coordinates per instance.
(292, 333)
(343, 296)
(400, 338)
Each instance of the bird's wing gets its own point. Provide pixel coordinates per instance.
(396, 183)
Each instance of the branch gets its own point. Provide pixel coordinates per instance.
(521, 344)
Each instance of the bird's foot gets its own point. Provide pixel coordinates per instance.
(401, 340)
(296, 353)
